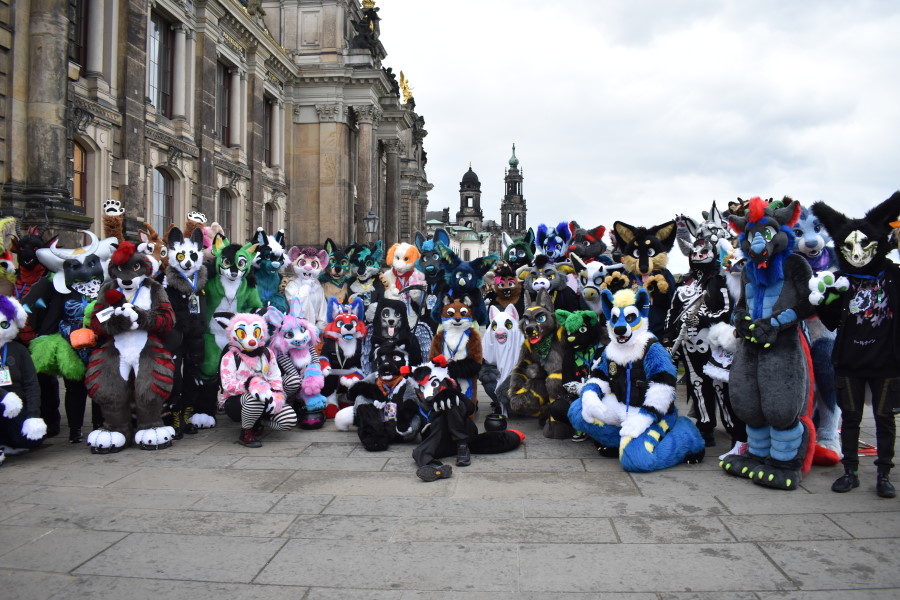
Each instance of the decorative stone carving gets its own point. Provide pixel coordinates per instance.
(328, 112)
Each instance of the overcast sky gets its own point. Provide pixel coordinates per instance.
(639, 110)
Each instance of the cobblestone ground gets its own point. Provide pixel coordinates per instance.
(312, 515)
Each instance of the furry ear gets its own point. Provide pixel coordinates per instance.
(176, 237)
(562, 315)
(448, 255)
(447, 300)
(279, 237)
(543, 299)
(466, 300)
(197, 237)
(293, 253)
(390, 255)
(493, 311)
(222, 318)
(483, 264)
(642, 301)
(831, 219)
(542, 233)
(419, 241)
(143, 236)
(332, 308)
(691, 226)
(330, 246)
(789, 214)
(260, 237)
(530, 239)
(885, 213)
(219, 243)
(441, 236)
(507, 241)
(578, 264)
(739, 224)
(512, 312)
(606, 303)
(716, 216)
(685, 246)
(274, 317)
(624, 233)
(323, 257)
(359, 309)
(665, 233)
(597, 234)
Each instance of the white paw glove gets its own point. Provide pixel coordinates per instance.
(591, 407)
(379, 404)
(824, 283)
(635, 424)
(12, 405)
(34, 428)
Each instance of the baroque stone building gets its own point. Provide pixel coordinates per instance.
(277, 113)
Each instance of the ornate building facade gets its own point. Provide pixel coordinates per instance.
(276, 113)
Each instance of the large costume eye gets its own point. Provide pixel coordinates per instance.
(179, 257)
(630, 318)
(494, 326)
(582, 329)
(463, 312)
(288, 335)
(521, 253)
(451, 312)
(242, 263)
(226, 262)
(4, 324)
(635, 253)
(137, 267)
(509, 325)
(240, 333)
(651, 252)
(768, 233)
(541, 318)
(257, 332)
(163, 252)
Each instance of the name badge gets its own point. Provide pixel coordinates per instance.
(5, 377)
(104, 315)
(390, 411)
(194, 304)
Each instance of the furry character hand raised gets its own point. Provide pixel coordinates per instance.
(657, 284)
(635, 424)
(825, 287)
(573, 387)
(616, 281)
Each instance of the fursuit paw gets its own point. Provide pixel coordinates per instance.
(573, 388)
(776, 476)
(196, 217)
(657, 285)
(635, 424)
(312, 385)
(824, 287)
(592, 409)
(113, 208)
(741, 465)
(12, 405)
(827, 453)
(34, 428)
(616, 281)
(314, 402)
(695, 458)
(203, 421)
(763, 332)
(104, 441)
(154, 438)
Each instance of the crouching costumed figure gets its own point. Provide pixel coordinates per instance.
(629, 402)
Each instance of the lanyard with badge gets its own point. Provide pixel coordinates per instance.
(193, 299)
(5, 377)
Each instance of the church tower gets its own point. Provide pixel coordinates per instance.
(512, 207)
(469, 214)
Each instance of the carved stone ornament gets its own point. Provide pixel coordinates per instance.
(175, 155)
(328, 112)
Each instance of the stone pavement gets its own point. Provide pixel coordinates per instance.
(311, 515)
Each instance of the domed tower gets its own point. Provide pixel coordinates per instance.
(512, 207)
(469, 214)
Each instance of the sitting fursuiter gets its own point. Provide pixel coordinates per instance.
(645, 254)
(629, 403)
(390, 326)
(466, 278)
(816, 246)
(336, 276)
(551, 278)
(862, 302)
(583, 336)
(553, 242)
(366, 283)
(230, 290)
(307, 264)
(267, 266)
(21, 425)
(519, 252)
(431, 264)
(384, 408)
(537, 380)
(133, 315)
(460, 344)
(769, 380)
(295, 341)
(500, 345)
(341, 354)
(252, 390)
(448, 430)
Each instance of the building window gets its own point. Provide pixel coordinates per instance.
(161, 67)
(225, 212)
(269, 218)
(78, 47)
(268, 112)
(467, 255)
(163, 212)
(223, 103)
(79, 178)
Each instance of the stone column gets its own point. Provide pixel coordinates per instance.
(366, 117)
(244, 113)
(179, 79)
(191, 86)
(277, 134)
(234, 119)
(94, 66)
(391, 217)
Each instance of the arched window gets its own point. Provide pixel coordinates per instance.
(225, 213)
(163, 210)
(79, 178)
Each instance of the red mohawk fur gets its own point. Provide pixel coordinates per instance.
(123, 253)
(757, 209)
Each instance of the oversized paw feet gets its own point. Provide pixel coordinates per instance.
(827, 453)
(202, 421)
(695, 458)
(779, 478)
(104, 441)
(154, 438)
(113, 208)
(741, 465)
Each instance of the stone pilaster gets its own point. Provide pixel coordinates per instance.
(391, 218)
(367, 117)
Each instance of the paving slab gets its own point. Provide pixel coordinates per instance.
(237, 480)
(523, 596)
(687, 481)
(88, 475)
(869, 525)
(185, 557)
(506, 530)
(495, 464)
(342, 527)
(60, 550)
(34, 585)
(842, 594)
(655, 530)
(10, 492)
(399, 506)
(349, 483)
(11, 509)
(311, 463)
(144, 498)
(777, 502)
(335, 449)
(472, 567)
(845, 564)
(627, 506)
(271, 448)
(93, 586)
(302, 504)
(543, 485)
(627, 568)
(13, 535)
(255, 502)
(784, 528)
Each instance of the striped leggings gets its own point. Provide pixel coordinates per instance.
(248, 409)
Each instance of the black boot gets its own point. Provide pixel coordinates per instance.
(176, 425)
(846, 482)
(883, 486)
(463, 458)
(75, 435)
(248, 439)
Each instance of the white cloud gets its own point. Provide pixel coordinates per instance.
(640, 110)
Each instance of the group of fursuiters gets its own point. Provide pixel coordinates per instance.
(784, 325)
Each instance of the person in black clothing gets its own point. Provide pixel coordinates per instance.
(862, 301)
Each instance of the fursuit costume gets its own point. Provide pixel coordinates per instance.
(252, 393)
(583, 347)
(862, 302)
(341, 355)
(131, 370)
(267, 267)
(448, 429)
(769, 380)
(295, 341)
(519, 252)
(366, 281)
(57, 306)
(431, 264)
(460, 343)
(537, 379)
(21, 426)
(307, 264)
(336, 276)
(500, 348)
(629, 403)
